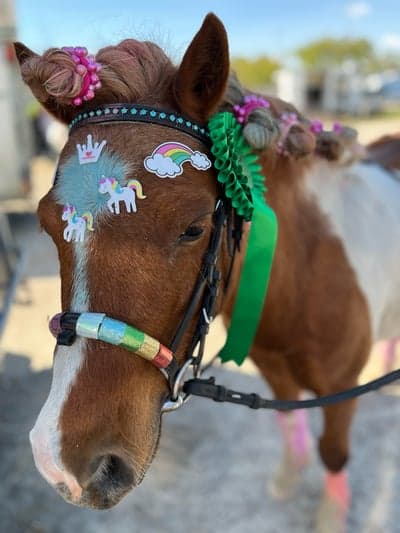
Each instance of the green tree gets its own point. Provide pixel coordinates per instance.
(255, 73)
(328, 52)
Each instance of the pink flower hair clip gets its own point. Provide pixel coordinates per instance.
(88, 68)
(287, 121)
(251, 102)
(316, 126)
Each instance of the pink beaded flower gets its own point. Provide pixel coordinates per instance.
(316, 126)
(86, 67)
(251, 102)
(289, 119)
(337, 128)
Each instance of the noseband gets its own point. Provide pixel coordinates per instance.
(67, 326)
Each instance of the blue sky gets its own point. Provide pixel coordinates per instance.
(254, 27)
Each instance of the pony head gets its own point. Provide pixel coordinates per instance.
(68, 212)
(99, 428)
(108, 185)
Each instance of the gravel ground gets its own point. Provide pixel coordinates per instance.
(210, 473)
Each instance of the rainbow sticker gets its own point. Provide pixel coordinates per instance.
(167, 160)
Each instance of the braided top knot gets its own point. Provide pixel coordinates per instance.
(340, 145)
(52, 75)
(260, 129)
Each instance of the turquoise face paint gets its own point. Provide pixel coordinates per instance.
(79, 188)
(78, 185)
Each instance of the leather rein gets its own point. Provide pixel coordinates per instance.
(68, 326)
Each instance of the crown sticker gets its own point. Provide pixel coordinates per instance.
(89, 152)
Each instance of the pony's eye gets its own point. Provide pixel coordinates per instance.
(192, 233)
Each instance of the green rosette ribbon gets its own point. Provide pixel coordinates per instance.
(241, 176)
(238, 168)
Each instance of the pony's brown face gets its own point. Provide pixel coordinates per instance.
(131, 230)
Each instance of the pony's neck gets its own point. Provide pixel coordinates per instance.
(299, 228)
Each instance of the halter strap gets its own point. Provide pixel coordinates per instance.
(67, 326)
(103, 114)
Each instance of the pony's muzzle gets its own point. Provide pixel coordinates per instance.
(111, 479)
(98, 483)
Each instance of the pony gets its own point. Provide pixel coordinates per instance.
(121, 194)
(385, 151)
(77, 225)
(99, 428)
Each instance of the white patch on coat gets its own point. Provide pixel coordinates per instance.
(46, 436)
(362, 203)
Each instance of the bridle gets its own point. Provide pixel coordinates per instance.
(68, 325)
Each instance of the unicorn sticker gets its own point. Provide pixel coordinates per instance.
(121, 194)
(167, 160)
(76, 225)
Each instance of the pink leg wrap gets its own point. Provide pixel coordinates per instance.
(390, 353)
(337, 489)
(296, 435)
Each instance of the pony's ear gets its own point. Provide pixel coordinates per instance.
(36, 71)
(203, 74)
(23, 53)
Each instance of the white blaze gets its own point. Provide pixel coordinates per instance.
(45, 436)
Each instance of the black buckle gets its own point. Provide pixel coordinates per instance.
(67, 335)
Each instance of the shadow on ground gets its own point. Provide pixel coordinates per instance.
(210, 473)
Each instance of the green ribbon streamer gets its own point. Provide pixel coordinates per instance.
(240, 174)
(253, 283)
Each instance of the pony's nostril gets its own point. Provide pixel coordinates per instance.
(112, 470)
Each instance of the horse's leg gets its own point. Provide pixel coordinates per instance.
(110, 205)
(334, 451)
(116, 207)
(130, 201)
(67, 234)
(294, 425)
(389, 354)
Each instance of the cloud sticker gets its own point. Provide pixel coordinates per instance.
(200, 161)
(162, 165)
(168, 158)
